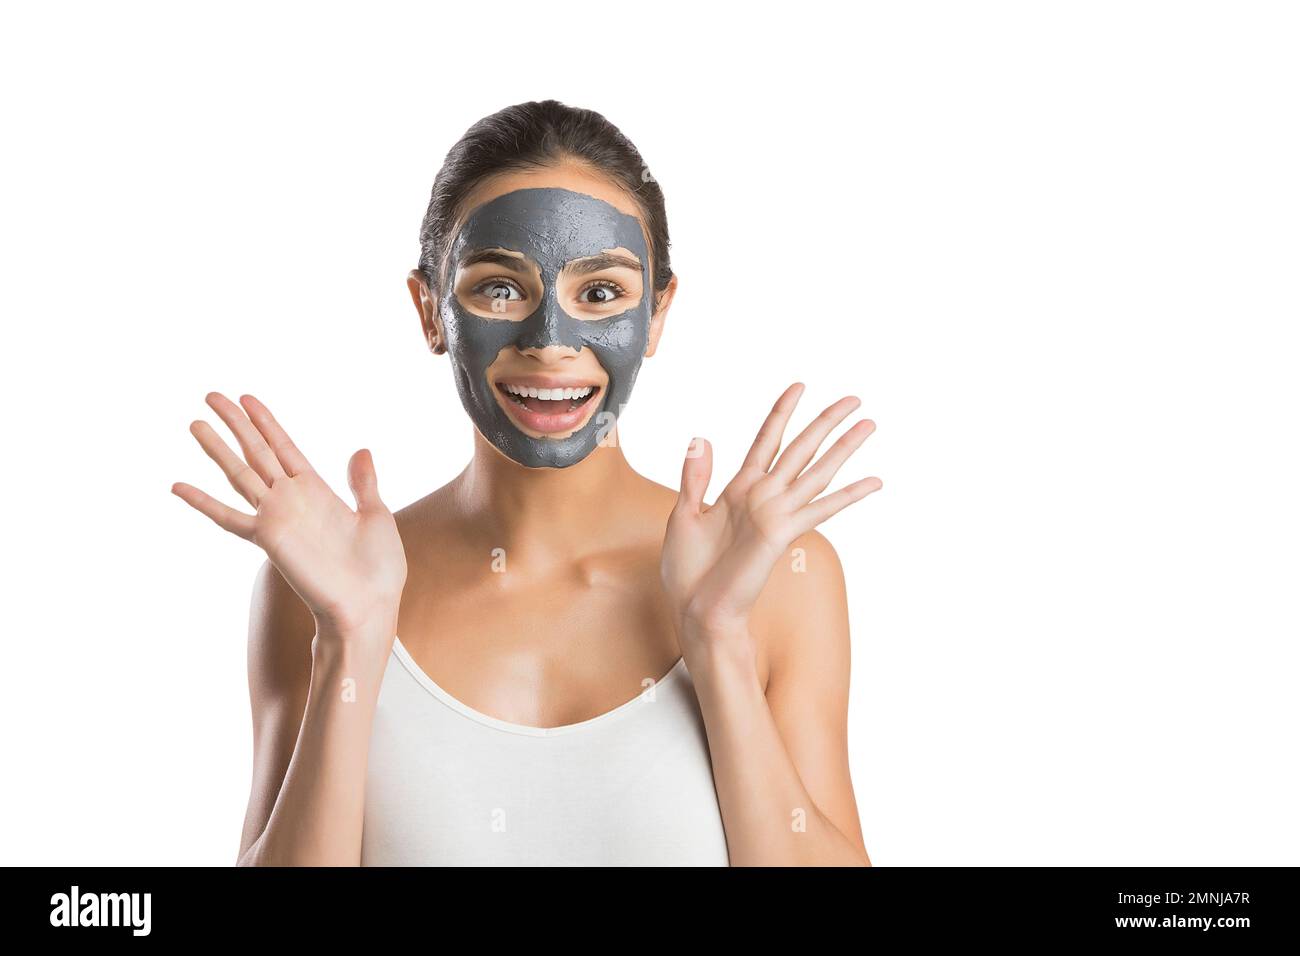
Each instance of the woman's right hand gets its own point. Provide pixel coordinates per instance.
(348, 566)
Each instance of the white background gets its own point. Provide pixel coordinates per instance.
(1052, 246)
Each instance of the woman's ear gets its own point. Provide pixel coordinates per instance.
(426, 303)
(662, 302)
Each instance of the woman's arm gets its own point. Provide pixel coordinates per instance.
(313, 702)
(780, 756)
(780, 759)
(333, 573)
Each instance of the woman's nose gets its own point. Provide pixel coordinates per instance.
(549, 354)
(548, 327)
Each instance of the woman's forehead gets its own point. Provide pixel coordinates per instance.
(569, 176)
(551, 226)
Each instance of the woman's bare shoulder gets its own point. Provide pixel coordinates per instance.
(804, 606)
(280, 633)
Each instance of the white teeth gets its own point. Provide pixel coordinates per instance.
(548, 394)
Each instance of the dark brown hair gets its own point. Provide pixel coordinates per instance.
(535, 135)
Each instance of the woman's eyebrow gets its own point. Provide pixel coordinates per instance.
(511, 261)
(606, 260)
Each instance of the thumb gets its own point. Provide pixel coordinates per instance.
(363, 481)
(695, 475)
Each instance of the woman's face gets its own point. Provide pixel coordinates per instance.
(547, 312)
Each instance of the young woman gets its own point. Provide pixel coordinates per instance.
(551, 660)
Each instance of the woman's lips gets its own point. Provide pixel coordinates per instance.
(548, 410)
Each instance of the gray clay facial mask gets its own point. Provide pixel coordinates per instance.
(551, 227)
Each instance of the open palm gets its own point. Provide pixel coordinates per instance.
(717, 558)
(347, 566)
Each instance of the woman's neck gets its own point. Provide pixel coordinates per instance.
(568, 512)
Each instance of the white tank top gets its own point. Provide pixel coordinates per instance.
(447, 785)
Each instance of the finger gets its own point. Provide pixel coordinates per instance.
(815, 512)
(800, 451)
(364, 482)
(244, 480)
(768, 441)
(256, 451)
(293, 461)
(814, 481)
(696, 470)
(236, 522)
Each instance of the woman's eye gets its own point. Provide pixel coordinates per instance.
(498, 289)
(601, 293)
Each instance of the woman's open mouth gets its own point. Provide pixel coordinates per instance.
(555, 410)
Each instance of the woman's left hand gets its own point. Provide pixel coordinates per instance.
(717, 558)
